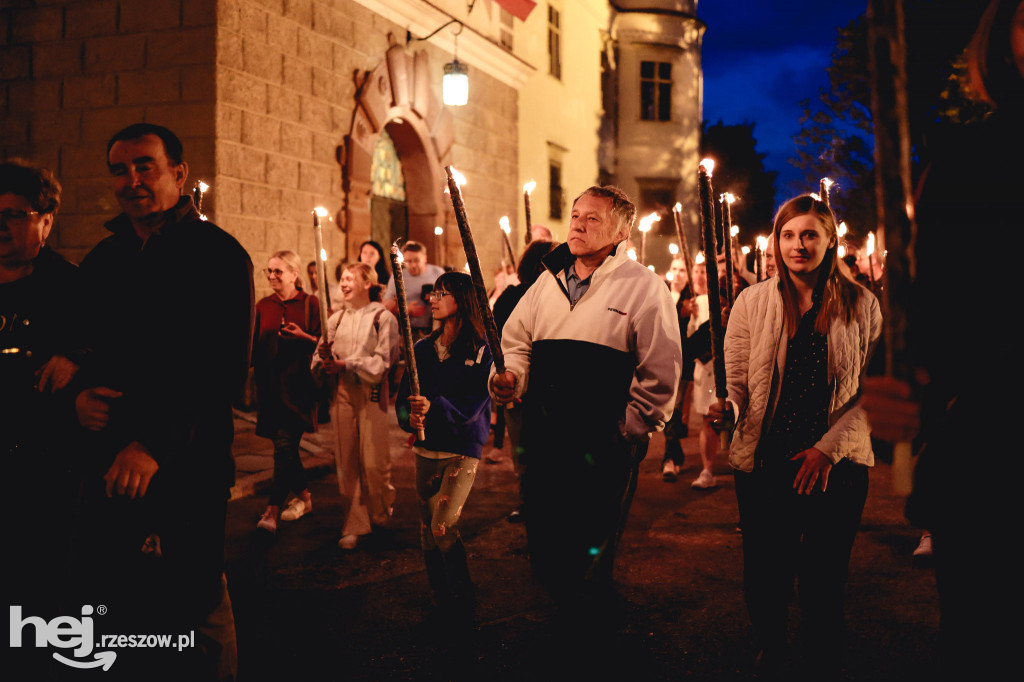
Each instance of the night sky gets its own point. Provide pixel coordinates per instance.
(761, 59)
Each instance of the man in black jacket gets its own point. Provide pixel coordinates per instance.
(170, 302)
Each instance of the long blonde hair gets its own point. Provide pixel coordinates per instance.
(838, 293)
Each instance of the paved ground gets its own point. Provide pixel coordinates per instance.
(306, 610)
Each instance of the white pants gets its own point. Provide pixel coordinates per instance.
(362, 457)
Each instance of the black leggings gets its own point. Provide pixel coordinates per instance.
(808, 538)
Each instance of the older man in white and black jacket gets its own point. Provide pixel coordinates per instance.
(593, 352)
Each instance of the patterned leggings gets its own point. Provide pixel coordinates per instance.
(443, 486)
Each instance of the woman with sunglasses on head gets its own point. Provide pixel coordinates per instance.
(795, 350)
(286, 332)
(361, 345)
(454, 411)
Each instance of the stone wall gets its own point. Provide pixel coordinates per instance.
(74, 73)
(260, 91)
(285, 93)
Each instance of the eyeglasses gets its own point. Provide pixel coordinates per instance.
(436, 296)
(274, 272)
(17, 218)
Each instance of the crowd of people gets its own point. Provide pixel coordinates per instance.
(120, 376)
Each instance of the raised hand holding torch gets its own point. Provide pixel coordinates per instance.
(527, 188)
(475, 272)
(684, 246)
(405, 328)
(726, 202)
(823, 187)
(321, 267)
(506, 230)
(707, 219)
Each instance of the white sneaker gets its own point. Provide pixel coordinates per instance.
(704, 481)
(297, 508)
(348, 542)
(924, 548)
(669, 471)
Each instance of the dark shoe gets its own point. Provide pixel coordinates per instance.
(436, 575)
(460, 585)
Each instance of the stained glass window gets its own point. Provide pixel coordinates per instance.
(386, 171)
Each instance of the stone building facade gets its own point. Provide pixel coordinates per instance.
(651, 140)
(273, 100)
(281, 103)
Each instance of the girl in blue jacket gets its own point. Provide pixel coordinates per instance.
(454, 409)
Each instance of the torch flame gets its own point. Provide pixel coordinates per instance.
(203, 187)
(647, 221)
(871, 243)
(762, 242)
(503, 221)
(670, 275)
(728, 197)
(651, 268)
(815, 196)
(320, 211)
(827, 182)
(397, 253)
(530, 186)
(632, 254)
(678, 208)
(708, 165)
(323, 255)
(673, 248)
(734, 231)
(438, 230)
(460, 179)
(745, 250)
(842, 229)
(699, 259)
(841, 251)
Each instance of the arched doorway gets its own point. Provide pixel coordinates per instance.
(397, 99)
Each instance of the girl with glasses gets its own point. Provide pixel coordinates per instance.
(454, 410)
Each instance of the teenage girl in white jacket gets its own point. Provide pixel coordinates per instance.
(362, 343)
(796, 349)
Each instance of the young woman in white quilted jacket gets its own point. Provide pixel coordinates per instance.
(796, 348)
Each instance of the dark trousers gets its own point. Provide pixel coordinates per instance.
(676, 427)
(289, 476)
(808, 538)
(576, 504)
(171, 587)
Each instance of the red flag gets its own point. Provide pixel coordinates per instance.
(517, 8)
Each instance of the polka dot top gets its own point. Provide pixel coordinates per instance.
(801, 418)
